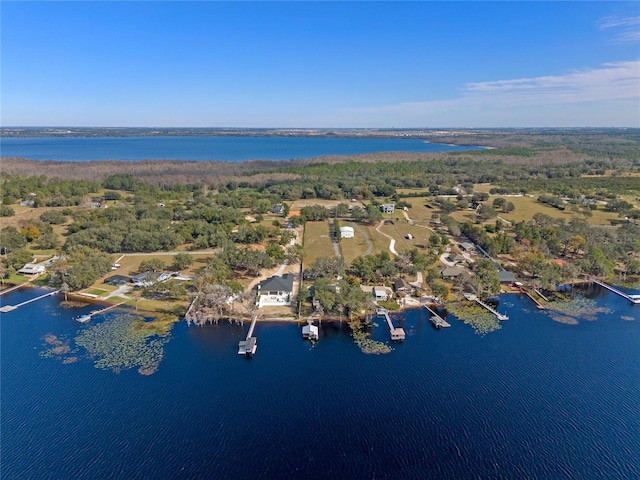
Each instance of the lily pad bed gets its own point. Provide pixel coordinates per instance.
(571, 311)
(478, 318)
(363, 340)
(124, 342)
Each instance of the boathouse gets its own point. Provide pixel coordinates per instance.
(310, 332)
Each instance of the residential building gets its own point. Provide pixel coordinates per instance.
(388, 207)
(402, 286)
(275, 291)
(32, 269)
(451, 272)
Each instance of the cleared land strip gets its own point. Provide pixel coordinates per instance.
(174, 252)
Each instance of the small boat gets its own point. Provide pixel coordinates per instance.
(83, 318)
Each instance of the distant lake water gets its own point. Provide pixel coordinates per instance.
(234, 149)
(536, 399)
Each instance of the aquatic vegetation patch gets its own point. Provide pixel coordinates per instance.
(56, 347)
(159, 326)
(567, 320)
(73, 304)
(477, 317)
(577, 308)
(123, 342)
(363, 340)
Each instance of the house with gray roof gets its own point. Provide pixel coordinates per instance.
(275, 291)
(451, 272)
(506, 277)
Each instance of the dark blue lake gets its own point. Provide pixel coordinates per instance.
(207, 148)
(535, 399)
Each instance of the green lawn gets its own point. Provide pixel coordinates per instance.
(317, 241)
(97, 291)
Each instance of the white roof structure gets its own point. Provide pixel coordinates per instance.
(310, 331)
(346, 232)
(32, 269)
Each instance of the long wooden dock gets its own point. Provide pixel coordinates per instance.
(634, 299)
(436, 319)
(535, 300)
(10, 308)
(498, 315)
(249, 346)
(85, 318)
(397, 334)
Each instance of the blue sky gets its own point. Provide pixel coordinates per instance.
(325, 64)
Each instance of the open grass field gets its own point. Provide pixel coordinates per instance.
(358, 246)
(25, 214)
(527, 207)
(317, 241)
(380, 242)
(307, 202)
(130, 263)
(400, 229)
(419, 210)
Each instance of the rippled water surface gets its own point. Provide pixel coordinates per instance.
(535, 399)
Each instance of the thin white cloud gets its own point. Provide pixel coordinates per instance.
(612, 82)
(627, 28)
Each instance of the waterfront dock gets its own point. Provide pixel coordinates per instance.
(634, 299)
(397, 334)
(535, 300)
(310, 331)
(10, 308)
(436, 319)
(499, 316)
(249, 346)
(85, 318)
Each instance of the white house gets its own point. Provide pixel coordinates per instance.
(381, 293)
(387, 207)
(346, 232)
(275, 291)
(32, 269)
